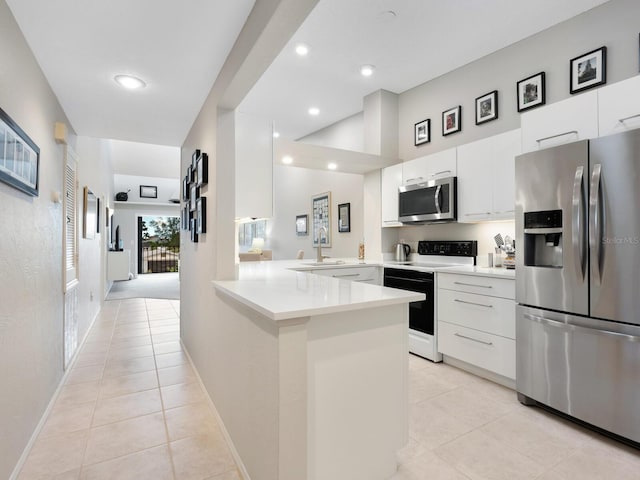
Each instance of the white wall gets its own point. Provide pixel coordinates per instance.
(347, 134)
(166, 188)
(293, 188)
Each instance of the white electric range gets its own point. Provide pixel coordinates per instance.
(418, 275)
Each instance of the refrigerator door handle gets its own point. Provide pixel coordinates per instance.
(580, 328)
(578, 235)
(596, 219)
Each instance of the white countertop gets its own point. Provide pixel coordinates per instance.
(276, 291)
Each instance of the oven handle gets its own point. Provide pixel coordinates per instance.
(403, 279)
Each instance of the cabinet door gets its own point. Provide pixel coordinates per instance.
(437, 165)
(506, 147)
(391, 180)
(575, 118)
(619, 107)
(415, 171)
(475, 181)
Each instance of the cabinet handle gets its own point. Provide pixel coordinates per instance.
(475, 214)
(345, 275)
(472, 285)
(473, 303)
(473, 339)
(540, 140)
(622, 120)
(439, 173)
(412, 179)
(507, 211)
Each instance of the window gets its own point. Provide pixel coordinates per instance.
(70, 251)
(250, 230)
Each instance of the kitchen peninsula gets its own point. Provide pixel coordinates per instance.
(315, 381)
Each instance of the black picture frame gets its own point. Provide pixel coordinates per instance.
(302, 225)
(185, 189)
(530, 92)
(194, 158)
(192, 228)
(588, 70)
(201, 214)
(422, 132)
(184, 218)
(487, 107)
(90, 218)
(452, 121)
(202, 169)
(19, 157)
(98, 215)
(194, 194)
(148, 191)
(344, 217)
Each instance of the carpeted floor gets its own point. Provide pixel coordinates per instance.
(149, 285)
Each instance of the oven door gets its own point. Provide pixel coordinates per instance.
(433, 201)
(421, 314)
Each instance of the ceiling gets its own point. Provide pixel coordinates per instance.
(178, 48)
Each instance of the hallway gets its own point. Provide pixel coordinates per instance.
(131, 406)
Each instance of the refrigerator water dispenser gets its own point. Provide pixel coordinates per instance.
(543, 239)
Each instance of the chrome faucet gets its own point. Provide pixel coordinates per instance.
(319, 254)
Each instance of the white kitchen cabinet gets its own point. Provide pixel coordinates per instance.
(476, 321)
(486, 178)
(619, 106)
(437, 165)
(575, 118)
(391, 180)
(254, 166)
(364, 274)
(118, 264)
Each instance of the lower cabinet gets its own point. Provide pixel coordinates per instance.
(368, 274)
(476, 321)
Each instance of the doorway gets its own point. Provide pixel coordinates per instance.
(158, 244)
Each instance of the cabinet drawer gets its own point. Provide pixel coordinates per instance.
(491, 352)
(480, 312)
(355, 274)
(494, 287)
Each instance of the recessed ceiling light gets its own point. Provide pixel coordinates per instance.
(276, 135)
(314, 111)
(302, 49)
(332, 166)
(129, 81)
(367, 70)
(287, 160)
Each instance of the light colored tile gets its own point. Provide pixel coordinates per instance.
(130, 332)
(171, 359)
(56, 454)
(182, 394)
(109, 410)
(412, 449)
(154, 463)
(166, 322)
(432, 427)
(131, 342)
(138, 382)
(194, 419)
(95, 347)
(78, 393)
(424, 385)
(231, 475)
(200, 457)
(419, 363)
(117, 368)
(167, 347)
(165, 329)
(173, 375)
(125, 437)
(123, 353)
(86, 359)
(429, 466)
(481, 457)
(70, 475)
(67, 419)
(165, 339)
(84, 374)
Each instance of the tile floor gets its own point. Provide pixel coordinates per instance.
(131, 409)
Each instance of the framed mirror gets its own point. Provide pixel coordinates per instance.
(90, 220)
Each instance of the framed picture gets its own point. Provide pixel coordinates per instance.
(202, 169)
(344, 217)
(487, 107)
(301, 225)
(588, 70)
(530, 92)
(90, 204)
(422, 132)
(185, 188)
(194, 194)
(190, 174)
(19, 157)
(184, 218)
(201, 211)
(451, 121)
(192, 228)
(148, 191)
(321, 218)
(98, 215)
(194, 158)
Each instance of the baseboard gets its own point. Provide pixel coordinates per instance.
(480, 372)
(225, 433)
(47, 411)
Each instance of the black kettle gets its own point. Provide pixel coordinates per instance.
(402, 252)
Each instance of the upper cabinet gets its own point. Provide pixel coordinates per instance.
(619, 106)
(391, 180)
(254, 167)
(423, 169)
(575, 118)
(486, 178)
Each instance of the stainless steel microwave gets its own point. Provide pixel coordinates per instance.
(428, 202)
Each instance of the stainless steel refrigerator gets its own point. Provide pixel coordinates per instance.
(578, 281)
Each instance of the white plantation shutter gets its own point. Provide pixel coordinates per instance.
(70, 220)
